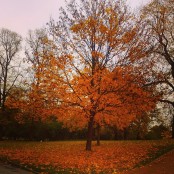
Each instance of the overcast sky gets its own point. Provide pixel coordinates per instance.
(22, 15)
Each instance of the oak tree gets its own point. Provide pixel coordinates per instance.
(99, 46)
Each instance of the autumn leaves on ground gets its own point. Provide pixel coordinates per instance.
(71, 156)
(99, 68)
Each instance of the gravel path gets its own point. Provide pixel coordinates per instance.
(162, 165)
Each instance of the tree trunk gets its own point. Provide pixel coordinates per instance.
(138, 136)
(90, 134)
(4, 90)
(0, 95)
(98, 134)
(173, 127)
(125, 133)
(116, 134)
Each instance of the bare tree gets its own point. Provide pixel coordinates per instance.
(158, 18)
(35, 45)
(10, 45)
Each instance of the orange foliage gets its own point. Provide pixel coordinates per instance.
(118, 99)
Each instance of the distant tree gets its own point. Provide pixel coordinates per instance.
(156, 132)
(36, 48)
(140, 126)
(36, 54)
(158, 20)
(10, 45)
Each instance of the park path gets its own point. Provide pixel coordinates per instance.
(162, 165)
(9, 169)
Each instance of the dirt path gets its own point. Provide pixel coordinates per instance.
(8, 169)
(162, 165)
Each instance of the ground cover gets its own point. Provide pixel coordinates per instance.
(71, 156)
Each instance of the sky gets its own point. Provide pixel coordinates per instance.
(24, 15)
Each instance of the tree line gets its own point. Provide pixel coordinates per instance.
(99, 66)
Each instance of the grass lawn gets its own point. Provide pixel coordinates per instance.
(70, 156)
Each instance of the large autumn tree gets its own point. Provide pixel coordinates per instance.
(158, 20)
(100, 53)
